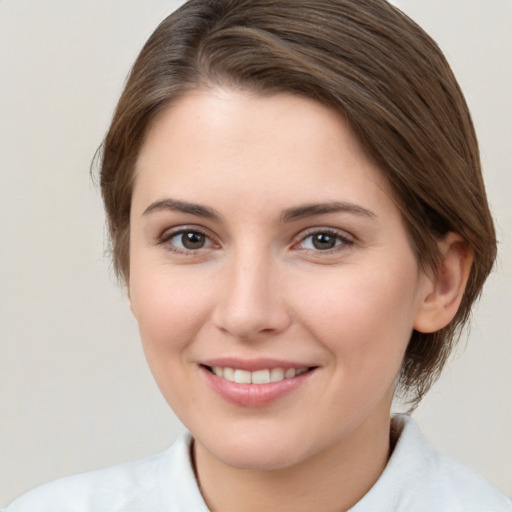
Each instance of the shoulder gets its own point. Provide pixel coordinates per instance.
(419, 478)
(462, 488)
(134, 486)
(104, 489)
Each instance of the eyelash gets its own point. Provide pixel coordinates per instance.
(341, 241)
(166, 238)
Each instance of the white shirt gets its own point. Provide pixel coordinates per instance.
(416, 479)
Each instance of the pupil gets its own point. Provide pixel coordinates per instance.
(192, 240)
(324, 241)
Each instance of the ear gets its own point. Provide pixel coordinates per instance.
(442, 294)
(129, 298)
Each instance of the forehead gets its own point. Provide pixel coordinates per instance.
(237, 142)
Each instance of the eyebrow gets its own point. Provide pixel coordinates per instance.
(182, 206)
(288, 215)
(310, 210)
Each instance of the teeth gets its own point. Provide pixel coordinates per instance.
(257, 377)
(260, 377)
(229, 374)
(276, 374)
(242, 377)
(288, 374)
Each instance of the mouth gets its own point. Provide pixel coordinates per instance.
(255, 382)
(258, 377)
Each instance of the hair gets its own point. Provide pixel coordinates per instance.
(366, 60)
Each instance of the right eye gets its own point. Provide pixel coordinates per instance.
(187, 241)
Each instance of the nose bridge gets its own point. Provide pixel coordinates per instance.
(251, 303)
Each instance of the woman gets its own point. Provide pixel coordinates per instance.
(295, 203)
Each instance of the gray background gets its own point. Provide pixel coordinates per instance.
(75, 393)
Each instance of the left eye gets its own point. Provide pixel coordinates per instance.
(322, 241)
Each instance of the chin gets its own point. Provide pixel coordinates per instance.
(258, 458)
(267, 450)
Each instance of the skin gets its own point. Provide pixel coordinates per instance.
(259, 287)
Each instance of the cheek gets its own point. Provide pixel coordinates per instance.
(364, 316)
(170, 308)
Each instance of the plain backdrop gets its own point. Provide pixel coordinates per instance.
(75, 393)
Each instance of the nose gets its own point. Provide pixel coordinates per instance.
(251, 303)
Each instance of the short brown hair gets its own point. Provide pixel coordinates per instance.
(363, 58)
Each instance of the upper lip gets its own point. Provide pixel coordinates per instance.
(253, 365)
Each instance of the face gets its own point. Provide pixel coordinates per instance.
(271, 277)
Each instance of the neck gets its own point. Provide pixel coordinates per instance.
(333, 480)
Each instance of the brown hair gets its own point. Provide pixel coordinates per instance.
(363, 58)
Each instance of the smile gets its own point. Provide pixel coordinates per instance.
(264, 376)
(257, 383)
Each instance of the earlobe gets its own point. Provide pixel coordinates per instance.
(444, 291)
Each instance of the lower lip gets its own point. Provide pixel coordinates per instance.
(253, 395)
